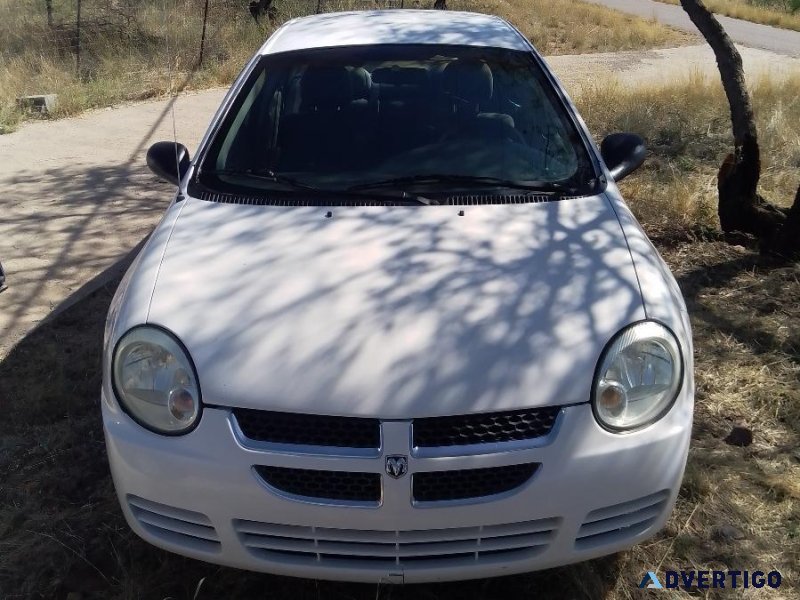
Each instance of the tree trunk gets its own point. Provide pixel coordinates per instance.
(78, 41)
(48, 4)
(740, 206)
(203, 35)
(788, 241)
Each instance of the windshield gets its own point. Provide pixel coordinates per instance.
(411, 117)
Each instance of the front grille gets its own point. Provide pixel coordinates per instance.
(615, 523)
(308, 430)
(328, 485)
(484, 428)
(175, 525)
(435, 486)
(370, 549)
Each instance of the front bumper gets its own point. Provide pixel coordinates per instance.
(594, 494)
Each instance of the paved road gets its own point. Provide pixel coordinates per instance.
(654, 67)
(754, 35)
(77, 196)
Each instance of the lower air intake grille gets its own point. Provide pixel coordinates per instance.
(436, 486)
(615, 523)
(327, 485)
(309, 430)
(370, 549)
(484, 428)
(175, 525)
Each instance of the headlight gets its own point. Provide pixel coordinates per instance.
(155, 381)
(638, 377)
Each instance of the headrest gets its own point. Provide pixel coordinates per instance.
(396, 75)
(361, 83)
(469, 80)
(326, 87)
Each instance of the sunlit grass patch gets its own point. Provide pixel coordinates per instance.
(688, 133)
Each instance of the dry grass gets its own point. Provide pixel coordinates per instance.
(133, 51)
(687, 128)
(778, 13)
(745, 319)
(120, 61)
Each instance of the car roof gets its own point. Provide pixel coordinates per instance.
(395, 26)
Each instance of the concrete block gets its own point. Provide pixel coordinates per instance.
(44, 103)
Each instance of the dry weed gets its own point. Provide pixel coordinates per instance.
(687, 129)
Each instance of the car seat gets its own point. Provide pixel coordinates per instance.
(467, 85)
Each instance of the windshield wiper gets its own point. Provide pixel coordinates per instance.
(542, 187)
(265, 175)
(297, 184)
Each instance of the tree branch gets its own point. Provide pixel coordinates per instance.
(729, 62)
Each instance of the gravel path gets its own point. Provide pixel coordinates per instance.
(78, 196)
(754, 35)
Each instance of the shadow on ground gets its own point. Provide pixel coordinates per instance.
(73, 211)
(62, 531)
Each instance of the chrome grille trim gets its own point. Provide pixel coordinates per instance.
(309, 430)
(489, 447)
(299, 449)
(447, 434)
(175, 525)
(433, 488)
(612, 524)
(321, 546)
(340, 447)
(288, 483)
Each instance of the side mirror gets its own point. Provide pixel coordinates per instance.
(623, 153)
(168, 160)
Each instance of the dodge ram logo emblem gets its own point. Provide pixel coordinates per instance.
(397, 465)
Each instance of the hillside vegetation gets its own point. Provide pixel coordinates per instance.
(137, 49)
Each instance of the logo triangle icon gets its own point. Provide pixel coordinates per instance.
(650, 580)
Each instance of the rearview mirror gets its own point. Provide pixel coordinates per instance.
(623, 153)
(168, 160)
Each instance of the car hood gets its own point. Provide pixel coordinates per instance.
(396, 312)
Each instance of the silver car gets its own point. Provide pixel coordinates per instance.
(397, 324)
